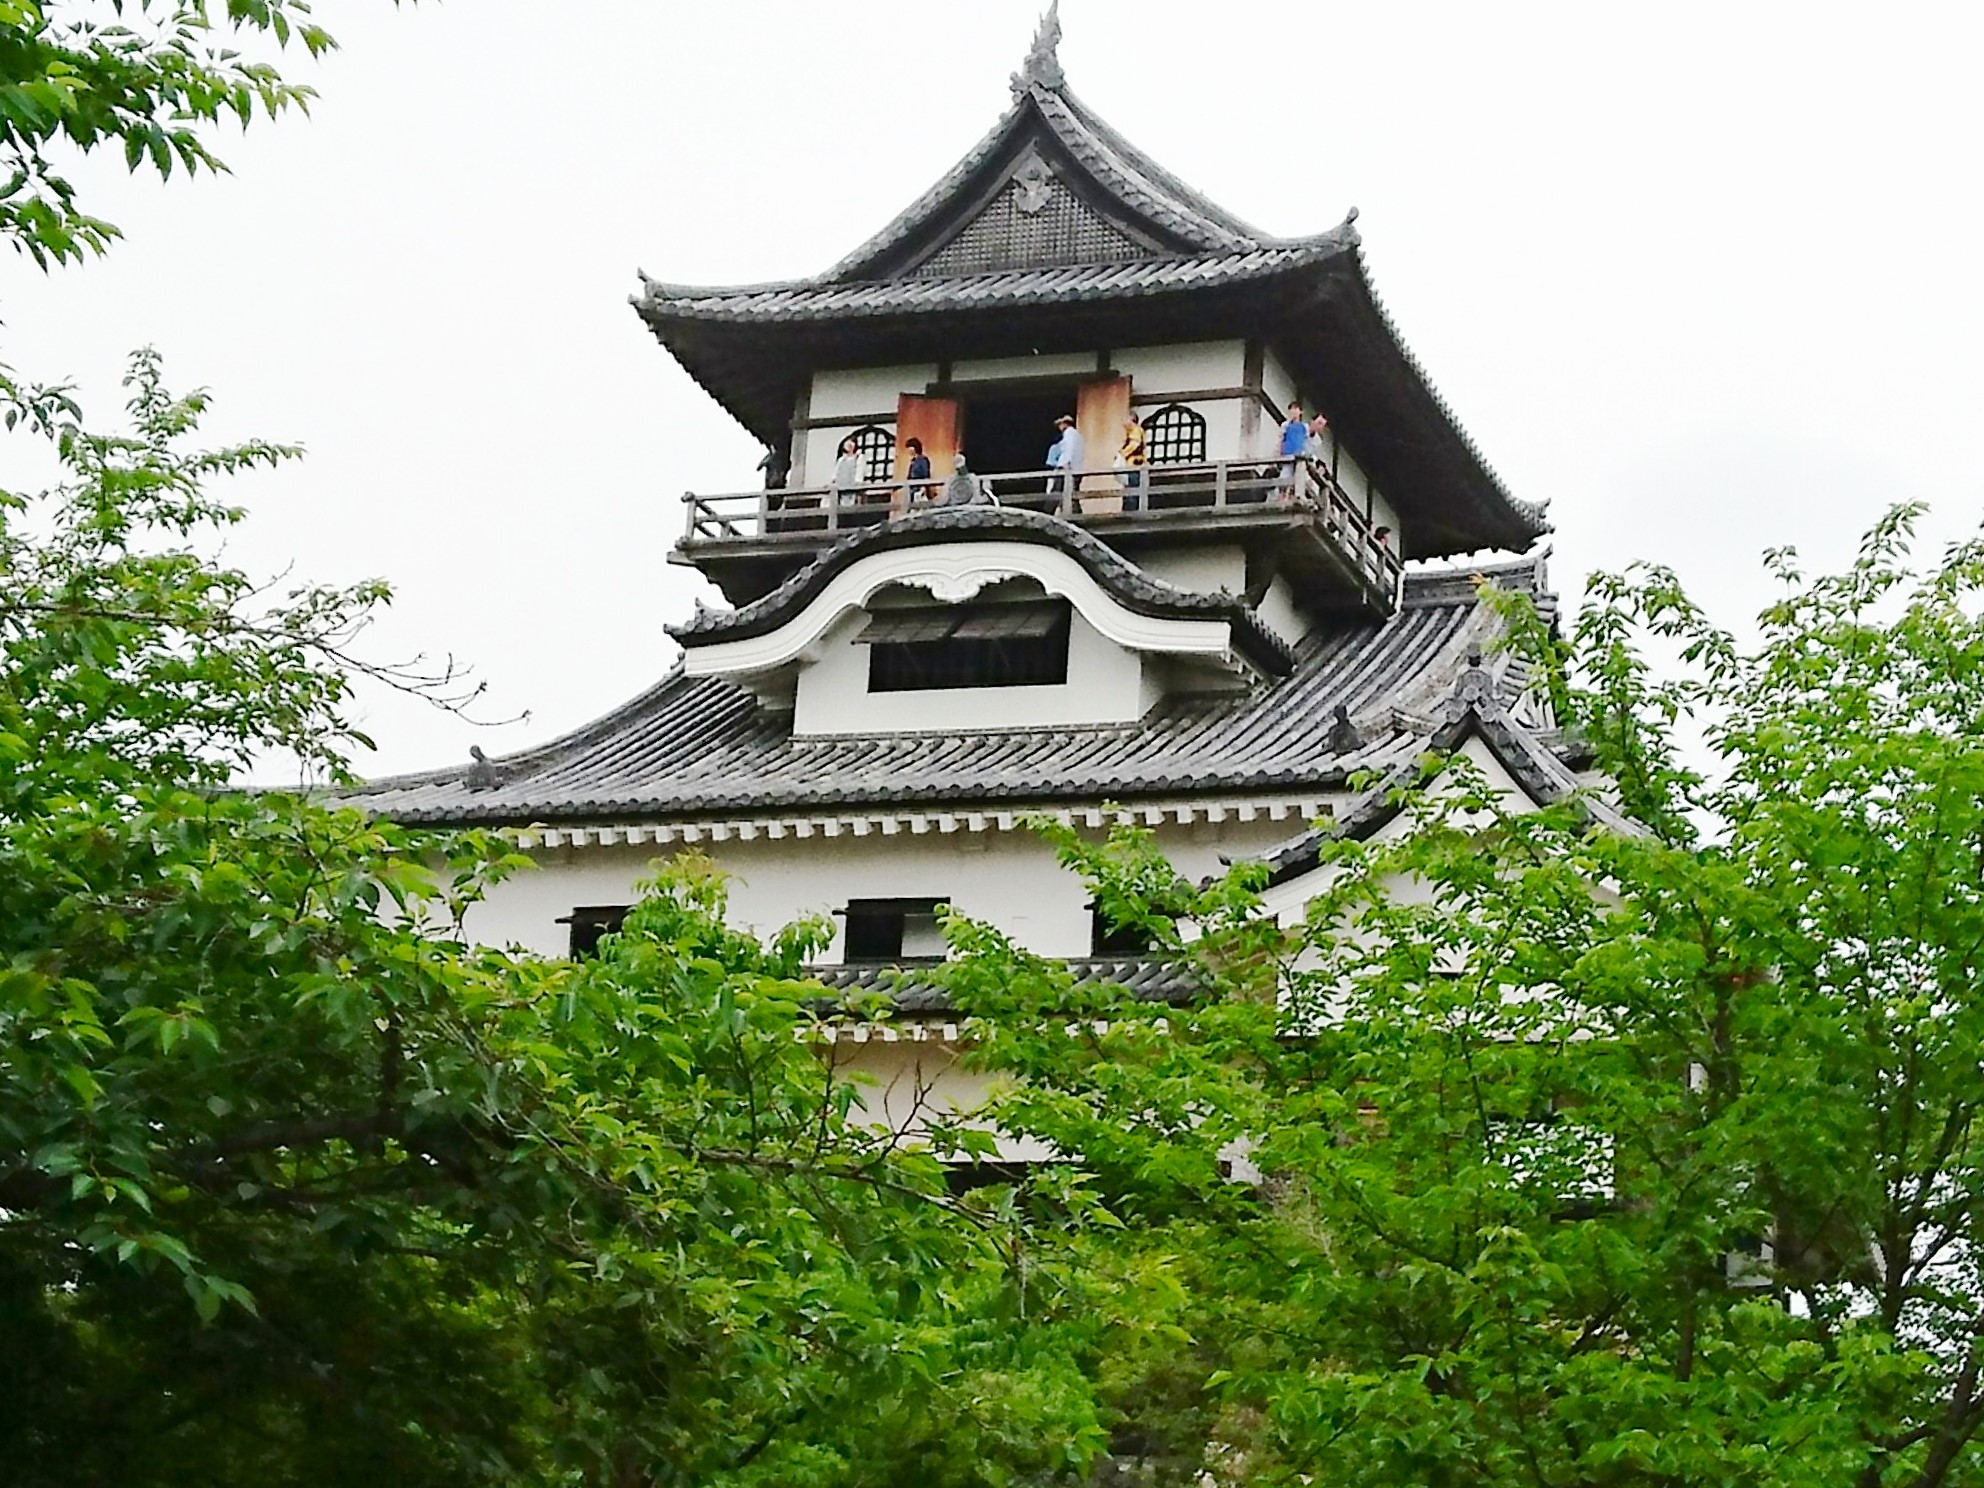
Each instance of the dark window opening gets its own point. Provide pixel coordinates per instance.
(893, 930)
(1013, 432)
(1175, 435)
(962, 1178)
(1108, 938)
(877, 448)
(1003, 645)
(588, 923)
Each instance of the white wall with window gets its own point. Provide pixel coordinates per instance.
(842, 689)
(1008, 878)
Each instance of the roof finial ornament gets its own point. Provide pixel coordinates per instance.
(1344, 736)
(1474, 688)
(1042, 67)
(484, 774)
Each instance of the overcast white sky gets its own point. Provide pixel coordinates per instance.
(1703, 276)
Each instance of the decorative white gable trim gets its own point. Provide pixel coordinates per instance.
(953, 573)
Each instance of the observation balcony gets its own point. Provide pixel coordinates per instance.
(748, 542)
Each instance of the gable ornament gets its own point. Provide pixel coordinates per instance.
(1033, 186)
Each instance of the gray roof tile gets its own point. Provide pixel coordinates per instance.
(696, 747)
(810, 299)
(1150, 978)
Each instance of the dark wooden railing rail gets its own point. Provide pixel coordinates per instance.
(803, 514)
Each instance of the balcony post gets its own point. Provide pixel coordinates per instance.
(1219, 483)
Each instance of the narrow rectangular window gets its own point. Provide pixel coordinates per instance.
(893, 930)
(1106, 938)
(588, 923)
(1004, 645)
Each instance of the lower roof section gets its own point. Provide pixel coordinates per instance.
(913, 989)
(695, 747)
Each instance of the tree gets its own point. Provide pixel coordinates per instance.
(1603, 1156)
(153, 76)
(296, 1185)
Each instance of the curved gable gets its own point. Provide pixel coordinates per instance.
(955, 573)
(955, 551)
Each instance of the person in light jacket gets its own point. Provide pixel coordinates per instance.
(1066, 456)
(847, 469)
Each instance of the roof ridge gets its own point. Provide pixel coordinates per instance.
(1119, 167)
(1148, 166)
(1456, 583)
(536, 756)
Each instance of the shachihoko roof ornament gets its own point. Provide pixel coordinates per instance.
(1042, 66)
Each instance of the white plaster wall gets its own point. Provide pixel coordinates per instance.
(1223, 427)
(1278, 384)
(1106, 684)
(1182, 368)
(856, 391)
(903, 1086)
(1279, 612)
(1190, 367)
(1357, 486)
(1384, 514)
(1008, 879)
(865, 393)
(991, 369)
(1202, 570)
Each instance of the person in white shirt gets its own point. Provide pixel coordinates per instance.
(1066, 456)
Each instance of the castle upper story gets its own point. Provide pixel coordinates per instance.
(1057, 278)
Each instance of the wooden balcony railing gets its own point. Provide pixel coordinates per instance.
(805, 516)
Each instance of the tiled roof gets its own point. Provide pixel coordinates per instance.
(1477, 708)
(811, 299)
(1150, 978)
(1137, 182)
(1127, 583)
(695, 747)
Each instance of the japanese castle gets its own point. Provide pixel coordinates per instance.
(1212, 645)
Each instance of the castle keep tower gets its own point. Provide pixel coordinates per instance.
(1212, 644)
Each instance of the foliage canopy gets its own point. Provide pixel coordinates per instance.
(151, 76)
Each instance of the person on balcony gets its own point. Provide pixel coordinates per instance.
(1318, 449)
(918, 472)
(1066, 456)
(1131, 459)
(847, 469)
(1294, 445)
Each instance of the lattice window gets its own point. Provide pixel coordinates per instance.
(877, 448)
(1175, 435)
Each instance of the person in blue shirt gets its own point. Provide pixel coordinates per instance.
(1294, 445)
